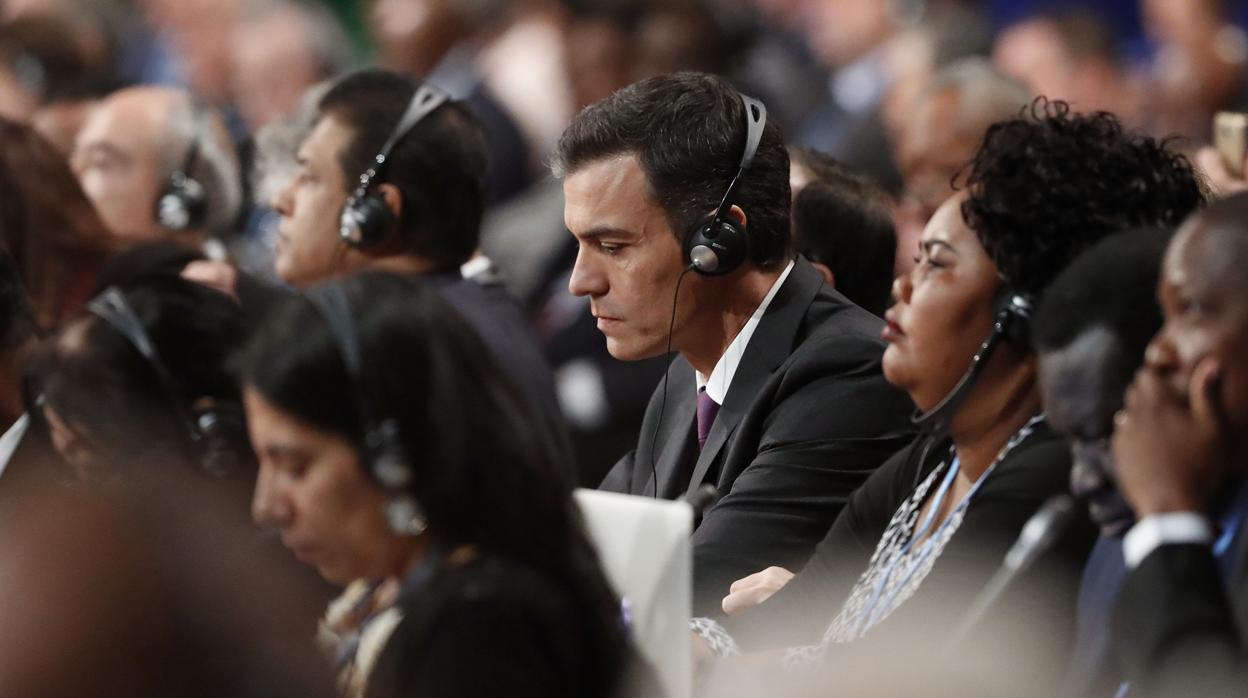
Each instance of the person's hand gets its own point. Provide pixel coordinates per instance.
(750, 591)
(1209, 161)
(217, 275)
(1171, 449)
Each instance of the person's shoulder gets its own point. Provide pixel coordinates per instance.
(1039, 465)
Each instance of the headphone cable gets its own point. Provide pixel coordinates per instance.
(671, 326)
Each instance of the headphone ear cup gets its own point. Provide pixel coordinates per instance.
(183, 204)
(1014, 316)
(220, 437)
(365, 221)
(716, 247)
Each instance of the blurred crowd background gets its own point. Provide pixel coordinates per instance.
(850, 78)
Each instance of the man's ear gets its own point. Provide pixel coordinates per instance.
(393, 198)
(735, 213)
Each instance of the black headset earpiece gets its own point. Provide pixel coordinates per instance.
(216, 429)
(383, 452)
(183, 202)
(1011, 322)
(718, 245)
(1014, 317)
(367, 219)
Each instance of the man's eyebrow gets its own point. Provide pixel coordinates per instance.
(107, 149)
(927, 245)
(602, 230)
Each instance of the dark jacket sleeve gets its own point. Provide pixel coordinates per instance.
(831, 420)
(1174, 630)
(620, 475)
(799, 613)
(1032, 623)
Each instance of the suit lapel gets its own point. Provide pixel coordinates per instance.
(676, 437)
(770, 345)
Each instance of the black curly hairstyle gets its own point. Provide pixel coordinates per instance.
(1049, 183)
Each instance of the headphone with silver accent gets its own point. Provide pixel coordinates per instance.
(718, 244)
(183, 202)
(366, 218)
(216, 431)
(383, 452)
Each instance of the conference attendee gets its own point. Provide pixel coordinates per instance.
(53, 234)
(776, 397)
(155, 164)
(944, 127)
(140, 401)
(439, 42)
(1090, 333)
(418, 212)
(1182, 614)
(899, 572)
(392, 448)
(842, 223)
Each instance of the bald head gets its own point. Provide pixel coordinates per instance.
(1216, 239)
(130, 144)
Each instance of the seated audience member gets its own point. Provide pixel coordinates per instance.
(418, 213)
(945, 125)
(53, 233)
(139, 401)
(1090, 334)
(842, 224)
(1182, 613)
(156, 164)
(776, 398)
(392, 450)
(941, 513)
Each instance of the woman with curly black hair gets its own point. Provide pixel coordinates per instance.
(900, 569)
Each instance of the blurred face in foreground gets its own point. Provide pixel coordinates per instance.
(312, 488)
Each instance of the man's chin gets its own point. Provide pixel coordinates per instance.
(631, 351)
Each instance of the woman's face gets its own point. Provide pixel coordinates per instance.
(944, 309)
(312, 488)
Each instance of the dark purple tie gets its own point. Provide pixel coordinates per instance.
(707, 409)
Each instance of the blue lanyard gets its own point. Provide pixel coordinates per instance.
(871, 611)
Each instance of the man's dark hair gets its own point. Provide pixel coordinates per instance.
(1113, 285)
(439, 167)
(688, 132)
(1048, 184)
(17, 318)
(842, 221)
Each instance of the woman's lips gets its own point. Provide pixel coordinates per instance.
(892, 331)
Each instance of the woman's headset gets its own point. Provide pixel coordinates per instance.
(366, 218)
(216, 430)
(718, 245)
(383, 452)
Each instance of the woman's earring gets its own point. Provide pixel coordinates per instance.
(405, 516)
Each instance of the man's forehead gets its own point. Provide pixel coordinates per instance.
(1209, 254)
(606, 192)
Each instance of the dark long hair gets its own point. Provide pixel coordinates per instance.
(54, 234)
(97, 381)
(483, 470)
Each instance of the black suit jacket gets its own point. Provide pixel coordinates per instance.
(807, 417)
(500, 323)
(1178, 630)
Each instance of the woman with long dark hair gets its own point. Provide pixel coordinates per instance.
(391, 449)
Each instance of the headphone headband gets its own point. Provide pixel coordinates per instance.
(216, 430)
(363, 222)
(383, 452)
(717, 245)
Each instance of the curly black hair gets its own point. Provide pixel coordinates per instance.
(1049, 183)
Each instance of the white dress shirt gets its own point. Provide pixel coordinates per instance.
(718, 382)
(11, 439)
(1171, 528)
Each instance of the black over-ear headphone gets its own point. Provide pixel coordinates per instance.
(365, 219)
(718, 244)
(1012, 323)
(216, 431)
(383, 453)
(183, 201)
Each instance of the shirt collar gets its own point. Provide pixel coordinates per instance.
(11, 439)
(721, 376)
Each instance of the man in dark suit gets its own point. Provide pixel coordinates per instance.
(425, 205)
(1183, 467)
(776, 398)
